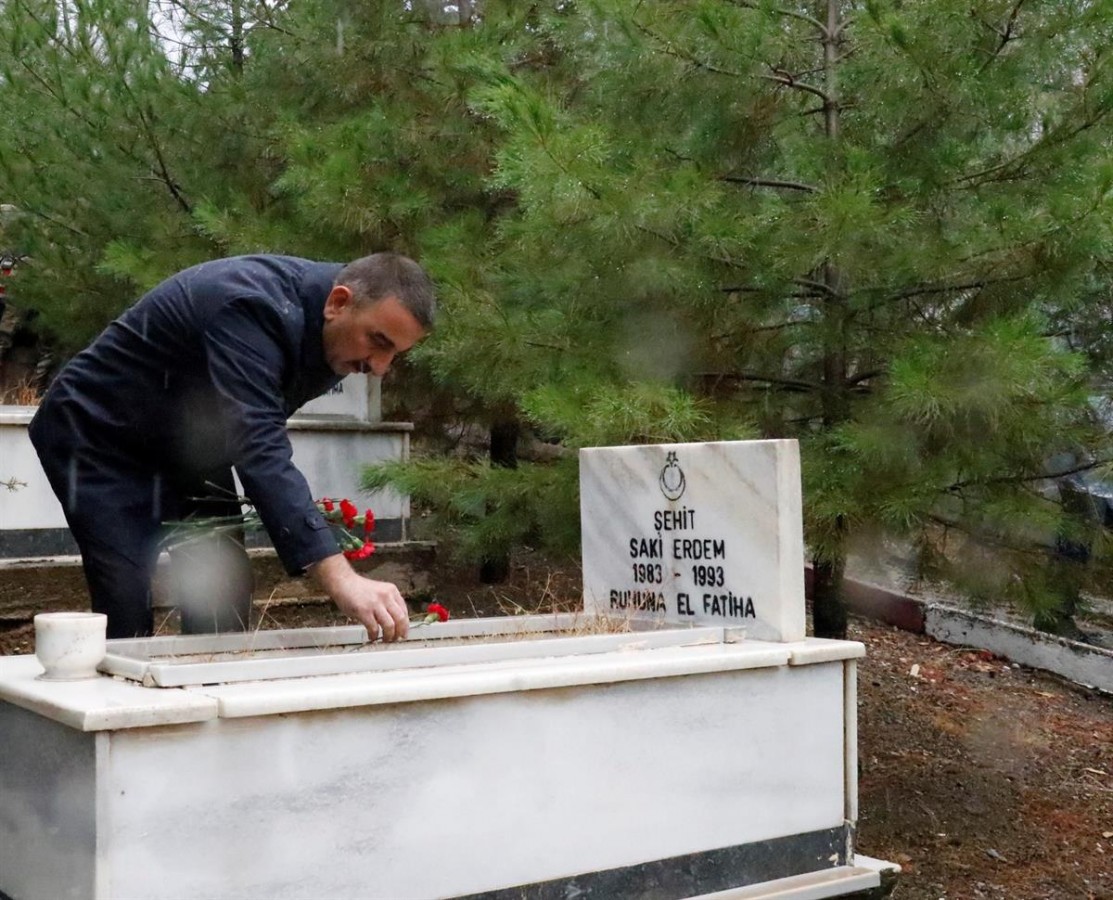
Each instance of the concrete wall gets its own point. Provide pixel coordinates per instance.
(1085, 664)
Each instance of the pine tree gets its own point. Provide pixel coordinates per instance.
(850, 223)
(90, 156)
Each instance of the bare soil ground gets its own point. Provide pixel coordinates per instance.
(982, 779)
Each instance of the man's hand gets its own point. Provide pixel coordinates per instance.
(376, 604)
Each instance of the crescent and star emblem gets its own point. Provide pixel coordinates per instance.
(672, 479)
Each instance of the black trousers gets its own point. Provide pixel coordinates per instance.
(115, 504)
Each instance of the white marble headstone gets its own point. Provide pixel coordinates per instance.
(701, 533)
(357, 396)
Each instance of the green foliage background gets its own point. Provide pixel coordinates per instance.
(881, 228)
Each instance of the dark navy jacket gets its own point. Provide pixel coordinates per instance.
(203, 372)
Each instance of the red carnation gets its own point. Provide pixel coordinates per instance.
(349, 512)
(435, 609)
(327, 504)
(368, 522)
(360, 552)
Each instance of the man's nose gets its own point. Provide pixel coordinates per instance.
(380, 363)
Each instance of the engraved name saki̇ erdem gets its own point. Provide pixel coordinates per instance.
(689, 560)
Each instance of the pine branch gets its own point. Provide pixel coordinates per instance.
(543, 346)
(820, 287)
(778, 76)
(789, 384)
(864, 376)
(810, 294)
(668, 49)
(1005, 34)
(88, 123)
(769, 182)
(931, 321)
(163, 172)
(48, 32)
(56, 222)
(947, 289)
(1017, 163)
(1027, 479)
(779, 326)
(152, 31)
(673, 242)
(60, 99)
(786, 79)
(595, 193)
(268, 23)
(787, 13)
(1032, 548)
(807, 73)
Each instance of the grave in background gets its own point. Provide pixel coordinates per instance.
(333, 438)
(644, 748)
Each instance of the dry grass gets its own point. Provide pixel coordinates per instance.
(22, 393)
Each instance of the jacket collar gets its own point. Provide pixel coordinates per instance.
(314, 288)
(314, 376)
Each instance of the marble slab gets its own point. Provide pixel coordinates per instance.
(113, 703)
(821, 650)
(631, 663)
(696, 533)
(470, 794)
(839, 881)
(261, 665)
(98, 704)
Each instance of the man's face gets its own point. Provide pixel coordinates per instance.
(366, 338)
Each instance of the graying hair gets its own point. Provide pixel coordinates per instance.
(381, 275)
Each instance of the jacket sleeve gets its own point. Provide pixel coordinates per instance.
(249, 344)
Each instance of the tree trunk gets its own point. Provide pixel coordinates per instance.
(236, 39)
(828, 608)
(1069, 561)
(504, 453)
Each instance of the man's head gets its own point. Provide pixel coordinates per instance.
(380, 306)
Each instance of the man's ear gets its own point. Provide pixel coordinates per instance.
(338, 299)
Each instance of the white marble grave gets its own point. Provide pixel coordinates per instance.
(333, 438)
(679, 747)
(547, 761)
(699, 533)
